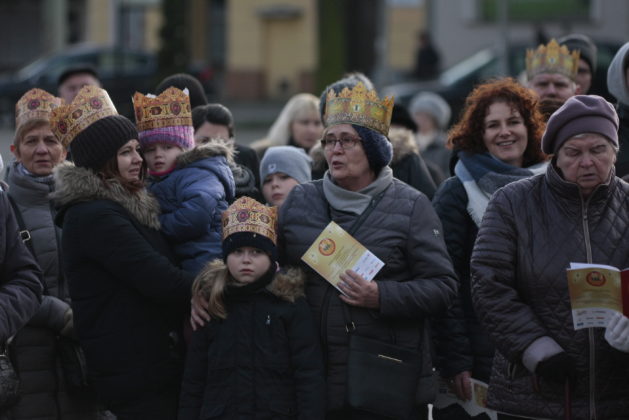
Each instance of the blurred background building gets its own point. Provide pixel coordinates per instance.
(271, 49)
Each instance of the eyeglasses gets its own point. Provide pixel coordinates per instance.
(329, 143)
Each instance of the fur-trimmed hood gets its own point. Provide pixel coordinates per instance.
(215, 147)
(403, 143)
(287, 284)
(74, 184)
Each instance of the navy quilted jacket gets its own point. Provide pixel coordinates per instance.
(530, 233)
(192, 199)
(417, 280)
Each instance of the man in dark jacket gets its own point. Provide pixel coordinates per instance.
(20, 276)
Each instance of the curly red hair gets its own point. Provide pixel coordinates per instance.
(467, 134)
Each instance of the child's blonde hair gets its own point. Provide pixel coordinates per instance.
(213, 291)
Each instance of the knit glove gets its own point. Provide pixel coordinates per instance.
(617, 332)
(556, 368)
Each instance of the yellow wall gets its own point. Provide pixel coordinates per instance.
(278, 48)
(405, 23)
(99, 26)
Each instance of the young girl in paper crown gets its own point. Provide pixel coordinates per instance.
(259, 355)
(193, 185)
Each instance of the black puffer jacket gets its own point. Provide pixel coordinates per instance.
(530, 233)
(417, 280)
(129, 300)
(461, 342)
(20, 276)
(262, 362)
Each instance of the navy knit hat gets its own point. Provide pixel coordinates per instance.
(580, 114)
(584, 44)
(377, 147)
(100, 141)
(182, 81)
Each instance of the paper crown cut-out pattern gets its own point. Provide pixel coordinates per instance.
(90, 105)
(247, 215)
(170, 109)
(552, 58)
(35, 104)
(358, 106)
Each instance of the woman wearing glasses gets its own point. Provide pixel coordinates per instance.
(398, 225)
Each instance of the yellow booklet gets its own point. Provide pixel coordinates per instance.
(335, 251)
(596, 292)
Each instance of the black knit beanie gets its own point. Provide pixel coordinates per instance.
(182, 81)
(254, 240)
(377, 148)
(100, 141)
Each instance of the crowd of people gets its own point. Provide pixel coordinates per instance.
(153, 269)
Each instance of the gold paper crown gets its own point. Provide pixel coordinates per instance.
(171, 108)
(359, 106)
(35, 104)
(247, 215)
(90, 105)
(552, 58)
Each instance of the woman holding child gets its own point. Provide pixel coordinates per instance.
(531, 231)
(128, 298)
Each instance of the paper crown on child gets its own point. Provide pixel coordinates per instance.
(164, 118)
(35, 104)
(249, 223)
(90, 105)
(552, 58)
(358, 106)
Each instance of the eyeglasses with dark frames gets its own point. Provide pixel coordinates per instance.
(329, 143)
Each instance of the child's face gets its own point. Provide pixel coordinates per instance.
(276, 187)
(161, 157)
(247, 264)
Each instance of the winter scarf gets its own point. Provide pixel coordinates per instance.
(482, 175)
(355, 201)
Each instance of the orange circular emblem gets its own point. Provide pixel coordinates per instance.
(327, 246)
(595, 278)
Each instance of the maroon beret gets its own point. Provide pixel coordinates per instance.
(580, 114)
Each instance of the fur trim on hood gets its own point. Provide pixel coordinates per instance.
(74, 184)
(401, 139)
(403, 143)
(215, 147)
(287, 285)
(318, 158)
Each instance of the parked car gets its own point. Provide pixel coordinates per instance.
(121, 72)
(455, 83)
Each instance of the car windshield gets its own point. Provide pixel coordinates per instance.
(465, 67)
(32, 69)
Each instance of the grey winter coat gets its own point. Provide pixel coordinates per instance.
(417, 280)
(530, 233)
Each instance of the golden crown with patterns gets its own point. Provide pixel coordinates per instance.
(171, 108)
(247, 215)
(358, 106)
(91, 104)
(552, 58)
(35, 104)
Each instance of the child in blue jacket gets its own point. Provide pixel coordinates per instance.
(193, 185)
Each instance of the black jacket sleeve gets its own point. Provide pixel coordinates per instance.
(452, 343)
(307, 362)
(20, 276)
(115, 243)
(193, 385)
